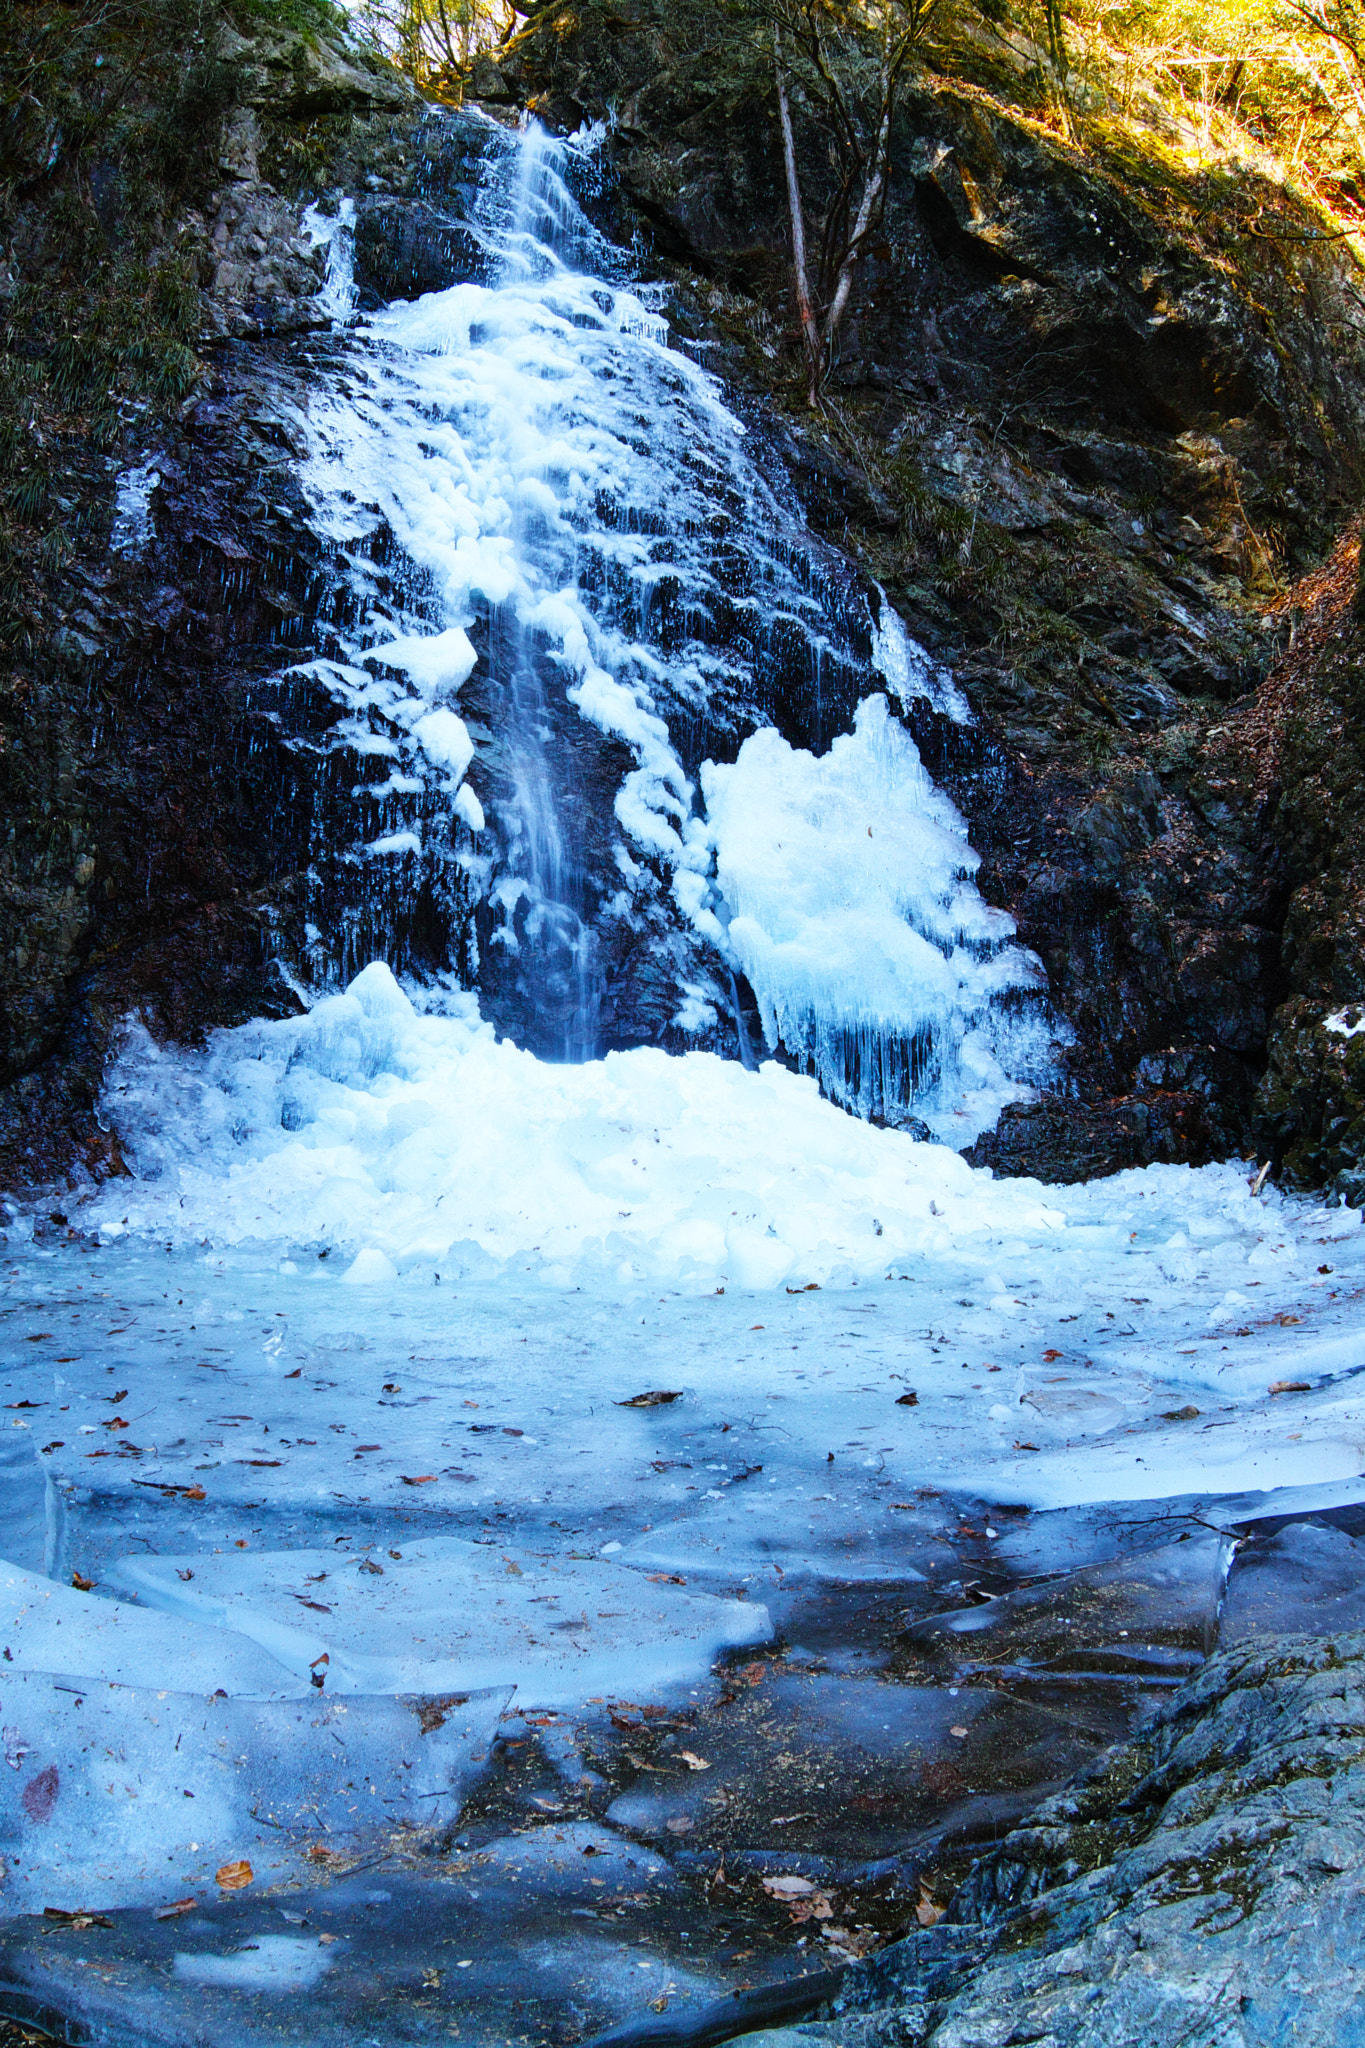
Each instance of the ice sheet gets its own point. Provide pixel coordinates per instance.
(123, 1796)
(442, 1615)
(50, 1628)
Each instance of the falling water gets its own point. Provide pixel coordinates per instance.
(589, 680)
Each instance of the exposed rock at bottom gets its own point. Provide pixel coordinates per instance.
(1201, 1885)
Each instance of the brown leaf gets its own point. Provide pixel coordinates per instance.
(1290, 1387)
(82, 1585)
(693, 1761)
(1051, 1355)
(318, 1852)
(910, 1399)
(928, 1912)
(1185, 1414)
(77, 1919)
(421, 1479)
(234, 1877)
(659, 1398)
(665, 1579)
(174, 1910)
(788, 1887)
(192, 1493)
(367, 1564)
(811, 1287)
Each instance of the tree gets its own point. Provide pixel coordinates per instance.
(437, 41)
(847, 58)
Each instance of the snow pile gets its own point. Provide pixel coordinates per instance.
(370, 1126)
(852, 911)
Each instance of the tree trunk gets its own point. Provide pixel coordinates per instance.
(809, 327)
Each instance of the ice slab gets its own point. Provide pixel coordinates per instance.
(30, 1508)
(54, 1629)
(122, 1796)
(443, 1615)
(1154, 1614)
(1300, 1580)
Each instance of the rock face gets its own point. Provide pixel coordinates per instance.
(153, 819)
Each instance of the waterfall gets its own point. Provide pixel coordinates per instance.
(605, 735)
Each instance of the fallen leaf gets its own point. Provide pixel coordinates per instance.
(174, 1910)
(928, 1912)
(59, 1445)
(959, 1732)
(367, 1447)
(316, 1605)
(514, 1568)
(367, 1564)
(1290, 1387)
(681, 1826)
(693, 1761)
(192, 1493)
(77, 1919)
(752, 1674)
(1025, 1447)
(1051, 1355)
(82, 1585)
(318, 1852)
(659, 1398)
(790, 1887)
(421, 1479)
(908, 1400)
(295, 1373)
(234, 1877)
(756, 1326)
(1185, 1414)
(811, 1287)
(665, 1579)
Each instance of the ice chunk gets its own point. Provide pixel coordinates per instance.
(453, 1616)
(30, 1508)
(847, 881)
(124, 1796)
(53, 1629)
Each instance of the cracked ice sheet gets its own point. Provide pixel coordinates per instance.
(451, 1615)
(303, 1406)
(124, 1797)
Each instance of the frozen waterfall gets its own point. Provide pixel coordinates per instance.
(612, 731)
